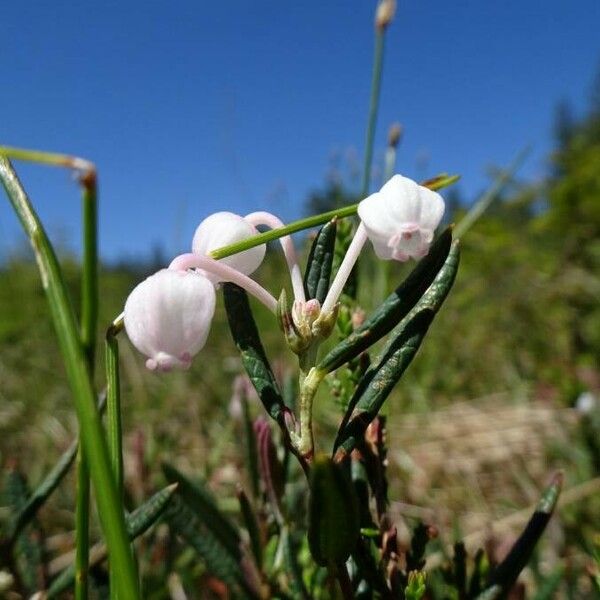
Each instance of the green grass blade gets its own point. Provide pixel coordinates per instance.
(320, 260)
(89, 325)
(245, 335)
(479, 208)
(109, 507)
(502, 578)
(138, 522)
(393, 309)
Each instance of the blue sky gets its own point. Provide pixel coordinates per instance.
(192, 107)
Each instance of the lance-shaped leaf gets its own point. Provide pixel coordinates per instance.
(245, 334)
(320, 259)
(138, 522)
(203, 505)
(197, 531)
(333, 519)
(39, 496)
(44, 490)
(377, 383)
(459, 569)
(502, 578)
(28, 551)
(394, 308)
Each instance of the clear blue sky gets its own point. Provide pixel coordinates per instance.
(192, 107)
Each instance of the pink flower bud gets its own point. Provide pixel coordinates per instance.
(400, 219)
(168, 317)
(224, 228)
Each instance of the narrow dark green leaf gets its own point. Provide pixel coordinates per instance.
(138, 522)
(196, 531)
(203, 505)
(320, 259)
(44, 490)
(245, 334)
(394, 308)
(422, 534)
(478, 576)
(333, 519)
(460, 570)
(251, 524)
(28, 511)
(502, 578)
(377, 383)
(28, 549)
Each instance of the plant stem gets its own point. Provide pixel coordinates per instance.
(304, 443)
(113, 406)
(88, 325)
(437, 183)
(92, 435)
(373, 109)
(114, 428)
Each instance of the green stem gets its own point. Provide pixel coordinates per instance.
(437, 183)
(53, 159)
(114, 427)
(373, 109)
(113, 406)
(92, 435)
(89, 322)
(304, 443)
(82, 526)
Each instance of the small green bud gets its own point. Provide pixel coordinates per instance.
(415, 590)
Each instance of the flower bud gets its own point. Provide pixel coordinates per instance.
(386, 9)
(224, 228)
(168, 317)
(395, 135)
(401, 218)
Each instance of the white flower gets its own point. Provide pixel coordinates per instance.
(400, 219)
(224, 228)
(168, 317)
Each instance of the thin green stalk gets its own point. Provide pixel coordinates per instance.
(89, 323)
(373, 110)
(94, 444)
(82, 526)
(437, 183)
(113, 403)
(490, 195)
(53, 159)
(114, 427)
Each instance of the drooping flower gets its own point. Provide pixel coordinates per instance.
(224, 228)
(401, 218)
(168, 317)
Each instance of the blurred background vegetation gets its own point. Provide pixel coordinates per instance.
(486, 412)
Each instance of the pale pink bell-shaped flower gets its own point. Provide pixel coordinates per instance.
(401, 218)
(168, 317)
(224, 228)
